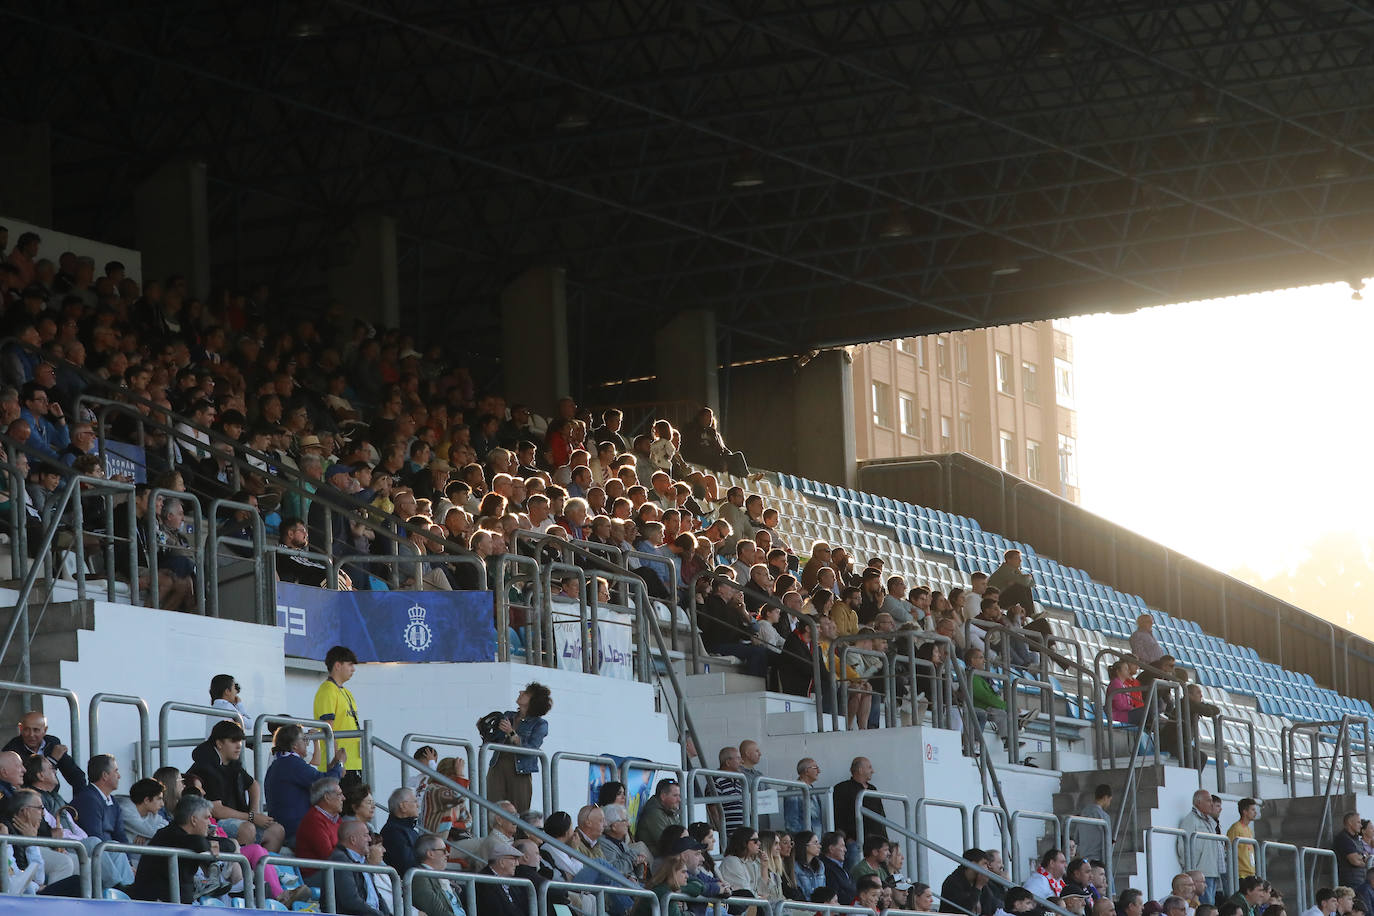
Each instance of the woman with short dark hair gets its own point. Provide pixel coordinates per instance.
(510, 777)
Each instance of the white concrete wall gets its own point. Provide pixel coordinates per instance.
(163, 656)
(590, 715)
(54, 243)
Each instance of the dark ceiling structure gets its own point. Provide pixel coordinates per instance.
(816, 173)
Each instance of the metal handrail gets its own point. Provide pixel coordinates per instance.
(746, 799)
(73, 709)
(476, 801)
(469, 882)
(908, 817)
(913, 837)
(83, 857)
(1044, 817)
(558, 757)
(214, 539)
(925, 802)
(327, 868)
(474, 775)
(1066, 831)
(151, 523)
(1220, 744)
(173, 858)
(31, 575)
(518, 751)
(599, 891)
(138, 703)
(790, 788)
(999, 814)
(534, 649)
(165, 744)
(260, 746)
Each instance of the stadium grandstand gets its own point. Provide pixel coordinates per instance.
(327, 595)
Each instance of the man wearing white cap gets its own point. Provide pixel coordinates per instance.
(501, 899)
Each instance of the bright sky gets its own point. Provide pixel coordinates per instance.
(1232, 430)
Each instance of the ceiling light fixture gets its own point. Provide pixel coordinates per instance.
(572, 116)
(305, 27)
(1004, 261)
(1201, 111)
(746, 173)
(1051, 45)
(1331, 166)
(896, 225)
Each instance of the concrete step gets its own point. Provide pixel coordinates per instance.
(720, 683)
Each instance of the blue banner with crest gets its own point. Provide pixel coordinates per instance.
(388, 626)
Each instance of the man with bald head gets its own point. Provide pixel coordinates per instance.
(11, 773)
(354, 891)
(33, 740)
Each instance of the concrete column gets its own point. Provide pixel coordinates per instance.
(534, 338)
(362, 273)
(685, 355)
(173, 226)
(797, 419)
(26, 163)
(823, 411)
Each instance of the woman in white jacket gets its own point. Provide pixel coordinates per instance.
(743, 867)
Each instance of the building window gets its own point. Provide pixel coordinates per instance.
(1032, 459)
(926, 439)
(963, 361)
(1008, 441)
(903, 344)
(1030, 389)
(882, 404)
(946, 435)
(907, 414)
(942, 357)
(1068, 460)
(919, 348)
(1005, 384)
(1063, 383)
(965, 432)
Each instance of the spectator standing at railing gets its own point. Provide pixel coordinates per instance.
(335, 704)
(845, 797)
(1091, 839)
(510, 777)
(795, 808)
(1205, 854)
(33, 740)
(1350, 857)
(289, 778)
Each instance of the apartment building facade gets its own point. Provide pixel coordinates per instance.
(1004, 395)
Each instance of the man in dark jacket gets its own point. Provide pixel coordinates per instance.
(846, 794)
(33, 739)
(189, 831)
(836, 875)
(401, 830)
(501, 899)
(355, 893)
(962, 891)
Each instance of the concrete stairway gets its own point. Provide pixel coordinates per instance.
(53, 640)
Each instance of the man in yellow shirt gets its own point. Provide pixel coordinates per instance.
(334, 704)
(1245, 852)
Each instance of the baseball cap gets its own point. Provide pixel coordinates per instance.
(497, 847)
(337, 469)
(684, 843)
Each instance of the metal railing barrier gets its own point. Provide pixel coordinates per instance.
(327, 869)
(474, 775)
(262, 746)
(145, 750)
(174, 856)
(1018, 863)
(561, 756)
(164, 715)
(691, 797)
(83, 858)
(793, 788)
(1095, 823)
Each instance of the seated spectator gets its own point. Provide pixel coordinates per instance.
(402, 829)
(615, 844)
(47, 424)
(988, 702)
(355, 892)
(727, 629)
(1048, 879)
(290, 780)
(176, 557)
(1128, 706)
(670, 877)
(141, 811)
(101, 818)
(232, 789)
(962, 890)
(1144, 645)
(303, 570)
(318, 832)
(659, 812)
(501, 899)
(702, 445)
(836, 876)
(21, 815)
(434, 896)
(34, 740)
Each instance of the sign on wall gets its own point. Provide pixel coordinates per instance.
(388, 626)
(614, 645)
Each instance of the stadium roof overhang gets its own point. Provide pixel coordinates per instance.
(816, 173)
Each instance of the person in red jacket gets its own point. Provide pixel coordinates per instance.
(318, 832)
